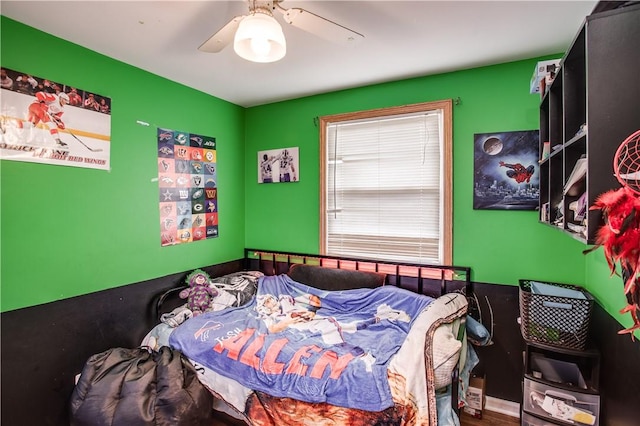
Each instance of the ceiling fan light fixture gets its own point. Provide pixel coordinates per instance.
(259, 38)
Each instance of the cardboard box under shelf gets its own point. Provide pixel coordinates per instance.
(475, 397)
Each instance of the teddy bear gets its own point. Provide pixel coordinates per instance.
(199, 294)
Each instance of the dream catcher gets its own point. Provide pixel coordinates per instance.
(626, 163)
(620, 236)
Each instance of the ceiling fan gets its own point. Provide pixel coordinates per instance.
(258, 37)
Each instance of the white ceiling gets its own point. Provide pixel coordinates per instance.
(403, 39)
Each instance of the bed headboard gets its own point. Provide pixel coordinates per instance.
(431, 280)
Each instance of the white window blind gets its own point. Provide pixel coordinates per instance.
(384, 188)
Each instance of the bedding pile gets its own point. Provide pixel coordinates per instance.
(316, 346)
(295, 354)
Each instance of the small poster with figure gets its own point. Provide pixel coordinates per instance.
(506, 171)
(188, 190)
(278, 165)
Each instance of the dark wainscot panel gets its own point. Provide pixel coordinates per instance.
(619, 371)
(500, 363)
(45, 346)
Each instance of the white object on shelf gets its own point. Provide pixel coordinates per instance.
(543, 69)
(577, 174)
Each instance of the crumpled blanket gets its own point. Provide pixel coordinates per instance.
(296, 341)
(413, 405)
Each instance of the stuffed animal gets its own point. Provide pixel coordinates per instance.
(199, 294)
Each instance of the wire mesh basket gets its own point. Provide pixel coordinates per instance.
(555, 314)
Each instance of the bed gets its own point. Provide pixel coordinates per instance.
(297, 339)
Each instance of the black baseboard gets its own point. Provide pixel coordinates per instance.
(45, 346)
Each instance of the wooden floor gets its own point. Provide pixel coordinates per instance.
(489, 418)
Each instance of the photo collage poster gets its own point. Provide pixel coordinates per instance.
(49, 122)
(188, 190)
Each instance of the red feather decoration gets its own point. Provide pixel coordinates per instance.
(620, 239)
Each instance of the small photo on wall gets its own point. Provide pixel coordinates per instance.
(278, 165)
(506, 171)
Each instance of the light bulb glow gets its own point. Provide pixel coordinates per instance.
(261, 46)
(259, 38)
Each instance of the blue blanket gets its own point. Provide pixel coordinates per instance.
(296, 341)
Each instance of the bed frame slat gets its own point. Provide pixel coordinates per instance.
(445, 274)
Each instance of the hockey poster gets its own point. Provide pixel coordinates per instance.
(506, 171)
(44, 121)
(188, 190)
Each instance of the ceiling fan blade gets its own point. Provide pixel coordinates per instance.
(222, 38)
(320, 26)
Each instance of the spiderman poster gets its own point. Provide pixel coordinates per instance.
(506, 172)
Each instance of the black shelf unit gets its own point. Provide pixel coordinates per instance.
(588, 110)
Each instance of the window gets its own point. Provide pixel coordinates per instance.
(386, 183)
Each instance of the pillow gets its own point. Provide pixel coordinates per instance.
(477, 333)
(237, 288)
(446, 351)
(335, 279)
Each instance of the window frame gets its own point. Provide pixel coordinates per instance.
(445, 106)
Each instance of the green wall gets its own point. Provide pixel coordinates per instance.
(69, 231)
(501, 246)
